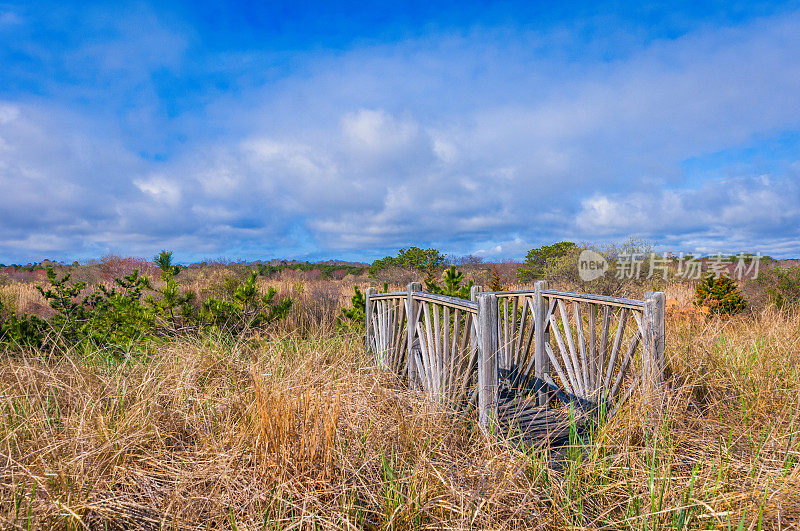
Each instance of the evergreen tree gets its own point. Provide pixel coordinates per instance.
(538, 259)
(173, 301)
(452, 279)
(496, 284)
(119, 316)
(70, 319)
(720, 295)
(248, 310)
(25, 331)
(356, 314)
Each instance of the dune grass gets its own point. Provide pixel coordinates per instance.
(301, 431)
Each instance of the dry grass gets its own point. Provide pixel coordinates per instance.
(22, 297)
(298, 430)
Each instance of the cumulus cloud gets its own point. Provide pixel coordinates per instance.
(488, 141)
(378, 132)
(757, 213)
(160, 189)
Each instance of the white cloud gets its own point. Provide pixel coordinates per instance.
(160, 189)
(376, 130)
(733, 214)
(8, 113)
(497, 144)
(446, 151)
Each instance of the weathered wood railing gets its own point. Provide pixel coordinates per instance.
(501, 349)
(435, 350)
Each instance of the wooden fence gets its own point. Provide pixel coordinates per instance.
(508, 353)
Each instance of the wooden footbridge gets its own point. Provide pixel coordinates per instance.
(533, 364)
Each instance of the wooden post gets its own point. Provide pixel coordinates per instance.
(368, 318)
(653, 360)
(540, 360)
(474, 338)
(411, 326)
(474, 291)
(487, 360)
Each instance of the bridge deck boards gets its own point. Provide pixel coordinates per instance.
(533, 424)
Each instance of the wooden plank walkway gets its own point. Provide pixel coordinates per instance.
(525, 421)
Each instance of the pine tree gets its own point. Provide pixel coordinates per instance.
(173, 302)
(61, 296)
(71, 317)
(452, 278)
(496, 284)
(118, 315)
(720, 295)
(25, 331)
(164, 263)
(247, 311)
(357, 313)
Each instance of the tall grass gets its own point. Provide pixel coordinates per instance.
(299, 430)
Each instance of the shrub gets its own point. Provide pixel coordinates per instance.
(720, 295)
(119, 317)
(337, 271)
(416, 257)
(401, 276)
(70, 319)
(132, 310)
(112, 317)
(538, 260)
(164, 263)
(112, 266)
(248, 310)
(25, 331)
(224, 284)
(781, 285)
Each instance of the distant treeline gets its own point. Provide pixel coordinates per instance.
(327, 270)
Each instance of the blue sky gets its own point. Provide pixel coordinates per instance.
(314, 131)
